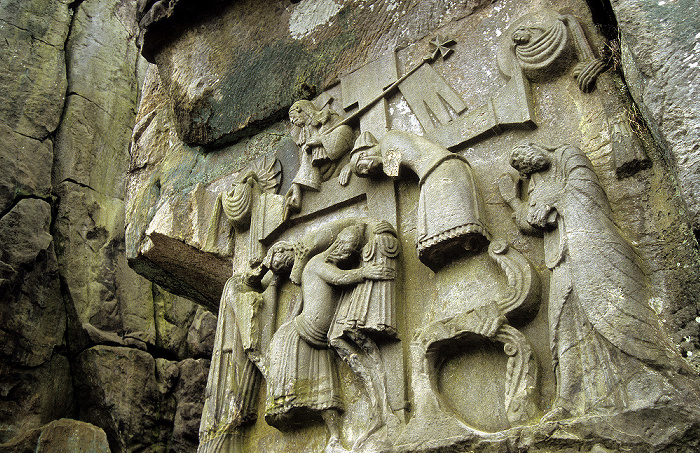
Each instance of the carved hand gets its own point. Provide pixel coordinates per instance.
(541, 215)
(313, 141)
(344, 176)
(490, 319)
(378, 272)
(292, 199)
(508, 186)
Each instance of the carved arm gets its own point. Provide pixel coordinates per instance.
(341, 277)
(510, 193)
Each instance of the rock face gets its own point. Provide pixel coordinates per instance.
(252, 63)
(659, 53)
(71, 77)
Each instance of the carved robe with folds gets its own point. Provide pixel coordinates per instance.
(450, 208)
(607, 343)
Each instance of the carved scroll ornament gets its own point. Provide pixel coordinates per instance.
(490, 320)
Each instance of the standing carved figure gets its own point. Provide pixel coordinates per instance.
(234, 380)
(450, 214)
(302, 378)
(609, 350)
(322, 143)
(367, 312)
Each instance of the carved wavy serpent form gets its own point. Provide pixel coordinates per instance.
(521, 368)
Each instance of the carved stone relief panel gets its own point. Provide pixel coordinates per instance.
(457, 244)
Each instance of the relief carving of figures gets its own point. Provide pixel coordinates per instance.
(244, 205)
(609, 350)
(365, 314)
(450, 213)
(322, 142)
(302, 379)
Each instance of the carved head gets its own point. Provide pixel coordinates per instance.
(345, 245)
(366, 159)
(529, 158)
(304, 113)
(280, 257)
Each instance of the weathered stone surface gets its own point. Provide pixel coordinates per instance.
(105, 292)
(63, 435)
(118, 391)
(139, 401)
(200, 336)
(24, 231)
(464, 395)
(23, 443)
(26, 165)
(82, 53)
(32, 397)
(188, 394)
(270, 54)
(72, 435)
(168, 214)
(33, 77)
(659, 50)
(32, 312)
(92, 140)
(183, 328)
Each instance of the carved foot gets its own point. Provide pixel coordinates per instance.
(439, 426)
(372, 444)
(376, 438)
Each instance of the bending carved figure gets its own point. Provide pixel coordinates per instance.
(322, 143)
(450, 214)
(301, 376)
(609, 350)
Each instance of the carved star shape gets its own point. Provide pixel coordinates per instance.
(439, 46)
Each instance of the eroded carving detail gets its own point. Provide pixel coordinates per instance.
(234, 380)
(543, 43)
(245, 205)
(322, 142)
(297, 360)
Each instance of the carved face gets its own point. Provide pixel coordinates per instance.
(344, 246)
(281, 261)
(298, 117)
(368, 163)
(280, 257)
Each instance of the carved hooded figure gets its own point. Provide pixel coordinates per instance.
(608, 347)
(450, 214)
